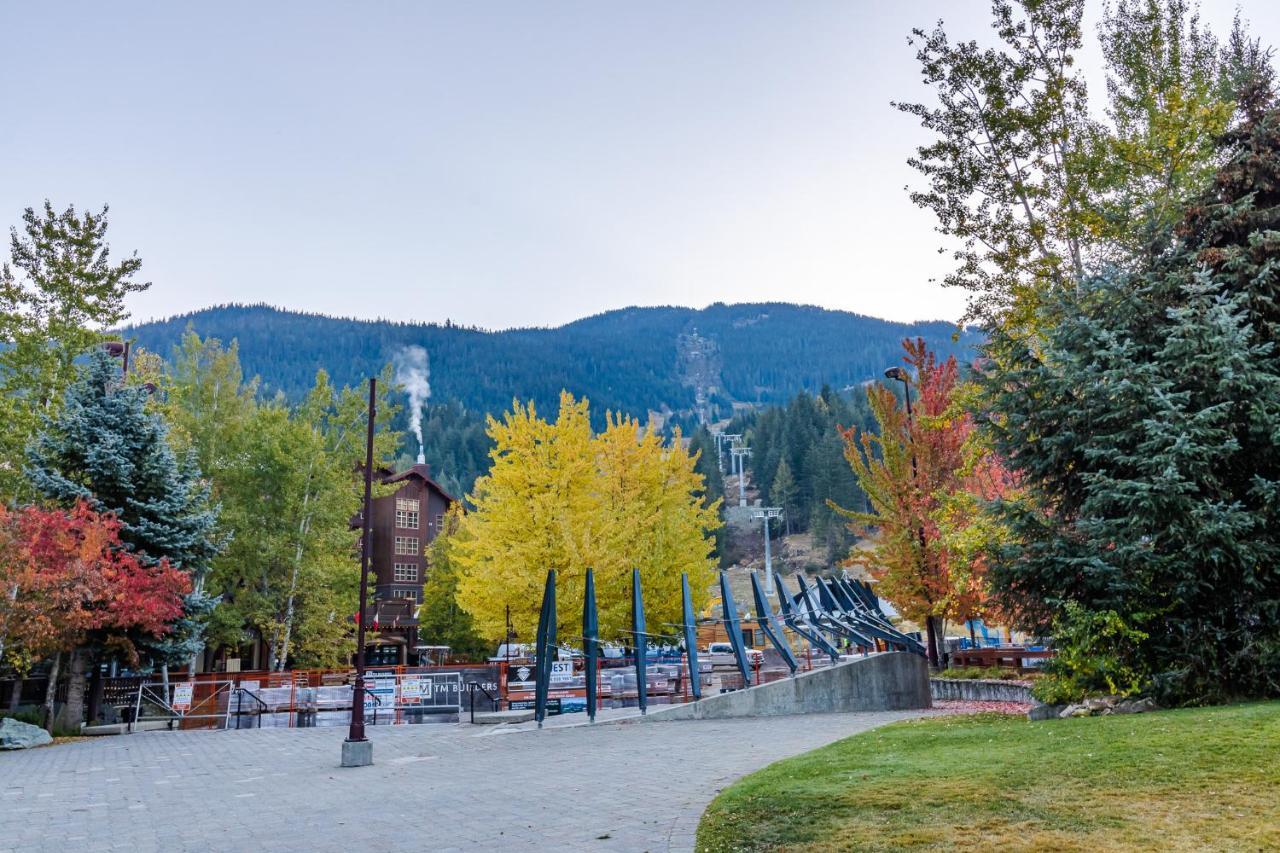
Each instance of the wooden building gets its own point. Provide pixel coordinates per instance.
(403, 524)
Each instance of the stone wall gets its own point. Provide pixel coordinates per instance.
(979, 690)
(891, 681)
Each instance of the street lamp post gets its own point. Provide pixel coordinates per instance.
(357, 750)
(901, 375)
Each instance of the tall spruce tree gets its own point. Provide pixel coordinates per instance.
(61, 287)
(105, 448)
(1146, 428)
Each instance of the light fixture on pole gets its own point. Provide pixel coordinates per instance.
(357, 750)
(901, 375)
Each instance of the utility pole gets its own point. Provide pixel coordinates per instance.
(357, 750)
(739, 453)
(766, 513)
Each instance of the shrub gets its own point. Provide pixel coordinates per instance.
(1098, 652)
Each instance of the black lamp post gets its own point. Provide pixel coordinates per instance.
(357, 750)
(901, 375)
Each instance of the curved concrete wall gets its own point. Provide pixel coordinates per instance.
(891, 681)
(980, 689)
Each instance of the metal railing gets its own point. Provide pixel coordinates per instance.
(472, 686)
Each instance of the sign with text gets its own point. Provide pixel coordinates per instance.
(182, 696)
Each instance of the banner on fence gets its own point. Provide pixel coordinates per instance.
(182, 696)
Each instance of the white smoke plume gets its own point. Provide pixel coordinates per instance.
(413, 371)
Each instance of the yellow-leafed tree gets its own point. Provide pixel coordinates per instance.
(559, 497)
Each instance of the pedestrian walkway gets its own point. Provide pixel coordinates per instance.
(615, 786)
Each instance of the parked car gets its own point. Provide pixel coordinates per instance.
(721, 654)
(512, 651)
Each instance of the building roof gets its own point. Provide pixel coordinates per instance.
(420, 472)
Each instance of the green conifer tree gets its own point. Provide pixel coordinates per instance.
(1146, 427)
(105, 448)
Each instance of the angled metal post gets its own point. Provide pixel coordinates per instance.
(814, 637)
(544, 653)
(732, 628)
(769, 623)
(641, 641)
(690, 638)
(590, 641)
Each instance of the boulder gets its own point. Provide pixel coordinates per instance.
(1134, 706)
(1075, 711)
(18, 735)
(1045, 712)
(1100, 703)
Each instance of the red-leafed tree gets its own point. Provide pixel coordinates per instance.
(67, 579)
(926, 479)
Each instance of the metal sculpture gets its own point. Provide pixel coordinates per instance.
(870, 617)
(590, 641)
(792, 621)
(733, 629)
(831, 618)
(544, 652)
(769, 624)
(641, 638)
(690, 638)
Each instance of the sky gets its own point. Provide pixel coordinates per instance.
(496, 164)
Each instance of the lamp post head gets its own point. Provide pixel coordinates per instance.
(896, 373)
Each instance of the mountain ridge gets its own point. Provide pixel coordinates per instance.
(628, 359)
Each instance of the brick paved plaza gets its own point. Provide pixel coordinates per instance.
(612, 786)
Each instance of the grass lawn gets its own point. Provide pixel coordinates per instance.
(1198, 779)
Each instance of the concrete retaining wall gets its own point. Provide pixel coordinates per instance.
(979, 689)
(892, 681)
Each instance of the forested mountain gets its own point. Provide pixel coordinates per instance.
(634, 359)
(689, 365)
(797, 461)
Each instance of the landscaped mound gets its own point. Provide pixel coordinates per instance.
(1197, 779)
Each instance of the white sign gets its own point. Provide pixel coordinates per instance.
(249, 684)
(384, 688)
(413, 688)
(561, 671)
(182, 696)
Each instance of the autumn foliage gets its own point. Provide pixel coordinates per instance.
(64, 574)
(927, 479)
(560, 497)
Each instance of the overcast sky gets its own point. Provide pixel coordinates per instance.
(493, 163)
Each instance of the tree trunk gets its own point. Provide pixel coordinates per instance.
(15, 698)
(164, 681)
(931, 637)
(973, 633)
(95, 692)
(271, 650)
(199, 649)
(73, 711)
(51, 692)
(304, 527)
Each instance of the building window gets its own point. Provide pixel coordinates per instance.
(406, 573)
(439, 521)
(406, 514)
(407, 546)
(408, 594)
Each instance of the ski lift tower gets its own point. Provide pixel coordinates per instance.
(740, 452)
(766, 513)
(721, 439)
